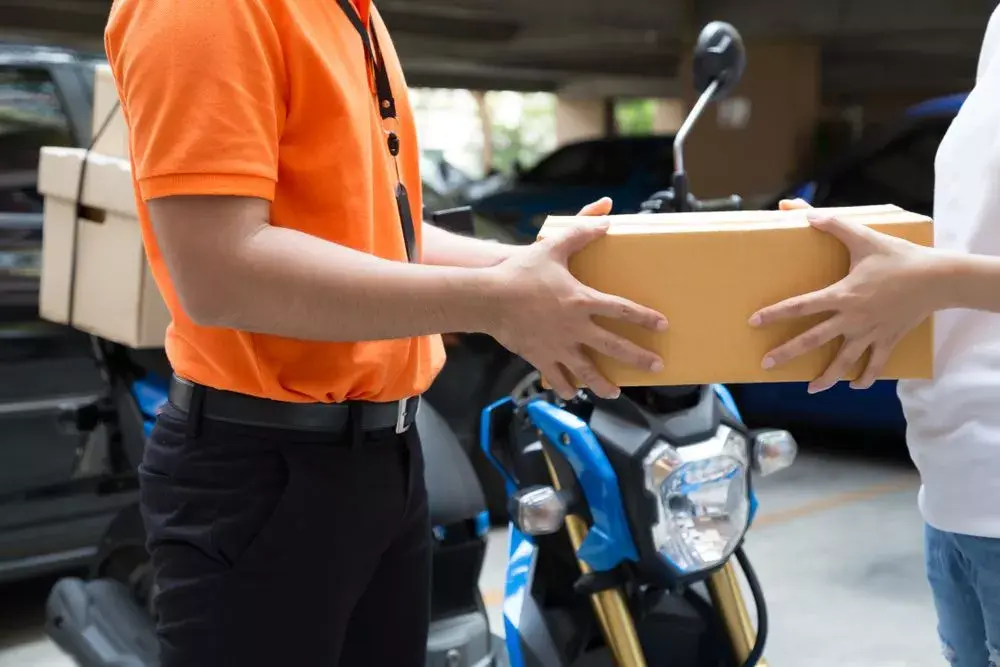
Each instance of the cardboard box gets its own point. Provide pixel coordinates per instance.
(709, 272)
(114, 293)
(114, 141)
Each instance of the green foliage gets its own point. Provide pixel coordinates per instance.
(634, 116)
(523, 126)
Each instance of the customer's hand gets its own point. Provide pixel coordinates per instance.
(547, 315)
(883, 297)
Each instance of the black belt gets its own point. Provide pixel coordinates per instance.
(227, 406)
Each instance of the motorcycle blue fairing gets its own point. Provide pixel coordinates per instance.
(519, 608)
(151, 395)
(608, 542)
(727, 400)
(485, 437)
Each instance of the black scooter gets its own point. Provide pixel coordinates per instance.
(107, 619)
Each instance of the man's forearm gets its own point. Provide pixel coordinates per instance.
(286, 283)
(966, 281)
(445, 248)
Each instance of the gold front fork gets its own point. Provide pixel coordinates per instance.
(727, 598)
(609, 605)
(616, 619)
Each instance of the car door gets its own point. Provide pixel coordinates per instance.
(42, 366)
(621, 170)
(561, 183)
(654, 170)
(566, 177)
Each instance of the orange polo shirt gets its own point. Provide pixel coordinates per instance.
(271, 99)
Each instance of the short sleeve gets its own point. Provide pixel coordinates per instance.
(202, 89)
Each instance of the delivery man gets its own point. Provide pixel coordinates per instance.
(276, 165)
(953, 421)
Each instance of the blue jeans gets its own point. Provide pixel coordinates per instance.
(964, 573)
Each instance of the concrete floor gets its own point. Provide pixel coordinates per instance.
(837, 548)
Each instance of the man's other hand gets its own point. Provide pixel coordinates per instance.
(881, 299)
(548, 314)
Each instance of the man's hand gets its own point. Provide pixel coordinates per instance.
(883, 297)
(548, 314)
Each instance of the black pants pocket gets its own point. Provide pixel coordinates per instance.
(250, 501)
(215, 496)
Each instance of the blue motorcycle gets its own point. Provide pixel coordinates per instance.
(627, 514)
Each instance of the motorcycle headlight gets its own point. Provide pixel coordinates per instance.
(703, 499)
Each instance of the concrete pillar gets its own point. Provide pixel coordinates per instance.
(610, 124)
(579, 119)
(486, 126)
(668, 114)
(753, 142)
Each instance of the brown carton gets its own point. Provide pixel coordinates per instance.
(114, 140)
(709, 272)
(114, 293)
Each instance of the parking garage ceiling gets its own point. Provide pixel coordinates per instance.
(909, 47)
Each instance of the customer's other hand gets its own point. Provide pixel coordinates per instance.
(546, 315)
(872, 308)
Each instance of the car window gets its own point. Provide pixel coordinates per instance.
(614, 162)
(569, 165)
(900, 173)
(31, 116)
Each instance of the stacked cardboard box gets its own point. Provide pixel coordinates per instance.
(94, 271)
(709, 272)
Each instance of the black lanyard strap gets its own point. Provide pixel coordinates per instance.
(386, 103)
(387, 109)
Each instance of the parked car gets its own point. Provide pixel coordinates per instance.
(627, 169)
(436, 200)
(895, 165)
(492, 182)
(58, 488)
(441, 175)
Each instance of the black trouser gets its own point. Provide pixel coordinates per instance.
(274, 547)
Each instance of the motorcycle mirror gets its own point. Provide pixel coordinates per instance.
(719, 58)
(719, 62)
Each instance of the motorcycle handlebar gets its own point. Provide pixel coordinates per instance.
(730, 203)
(664, 201)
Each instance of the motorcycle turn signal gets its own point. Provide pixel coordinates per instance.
(540, 510)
